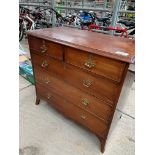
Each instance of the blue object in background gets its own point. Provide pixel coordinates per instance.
(85, 17)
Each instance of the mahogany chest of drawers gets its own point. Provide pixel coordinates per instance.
(81, 74)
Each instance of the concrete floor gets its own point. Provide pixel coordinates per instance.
(44, 131)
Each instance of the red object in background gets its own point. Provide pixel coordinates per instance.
(110, 28)
(93, 26)
(120, 30)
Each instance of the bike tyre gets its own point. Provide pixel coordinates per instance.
(21, 32)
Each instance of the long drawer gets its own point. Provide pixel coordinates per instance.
(89, 103)
(100, 87)
(109, 68)
(72, 111)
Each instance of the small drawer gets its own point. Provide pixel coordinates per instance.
(81, 99)
(51, 65)
(73, 112)
(109, 68)
(45, 47)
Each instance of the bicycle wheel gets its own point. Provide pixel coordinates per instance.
(21, 31)
(42, 25)
(132, 32)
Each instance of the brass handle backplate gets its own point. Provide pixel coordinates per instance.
(47, 82)
(48, 96)
(83, 117)
(87, 83)
(89, 64)
(85, 102)
(43, 47)
(43, 50)
(44, 64)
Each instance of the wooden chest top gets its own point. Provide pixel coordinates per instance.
(104, 45)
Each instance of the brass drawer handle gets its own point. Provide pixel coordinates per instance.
(43, 50)
(44, 64)
(49, 96)
(83, 117)
(87, 83)
(89, 64)
(43, 47)
(47, 82)
(85, 102)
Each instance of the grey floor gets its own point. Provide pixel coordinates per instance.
(44, 131)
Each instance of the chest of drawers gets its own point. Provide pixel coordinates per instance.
(81, 74)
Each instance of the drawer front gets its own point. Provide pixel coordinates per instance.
(99, 87)
(103, 66)
(81, 99)
(44, 93)
(53, 66)
(46, 47)
(72, 111)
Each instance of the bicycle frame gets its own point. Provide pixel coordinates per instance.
(28, 22)
(130, 29)
(122, 30)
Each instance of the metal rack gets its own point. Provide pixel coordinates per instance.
(119, 6)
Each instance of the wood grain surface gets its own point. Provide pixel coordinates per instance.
(97, 43)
